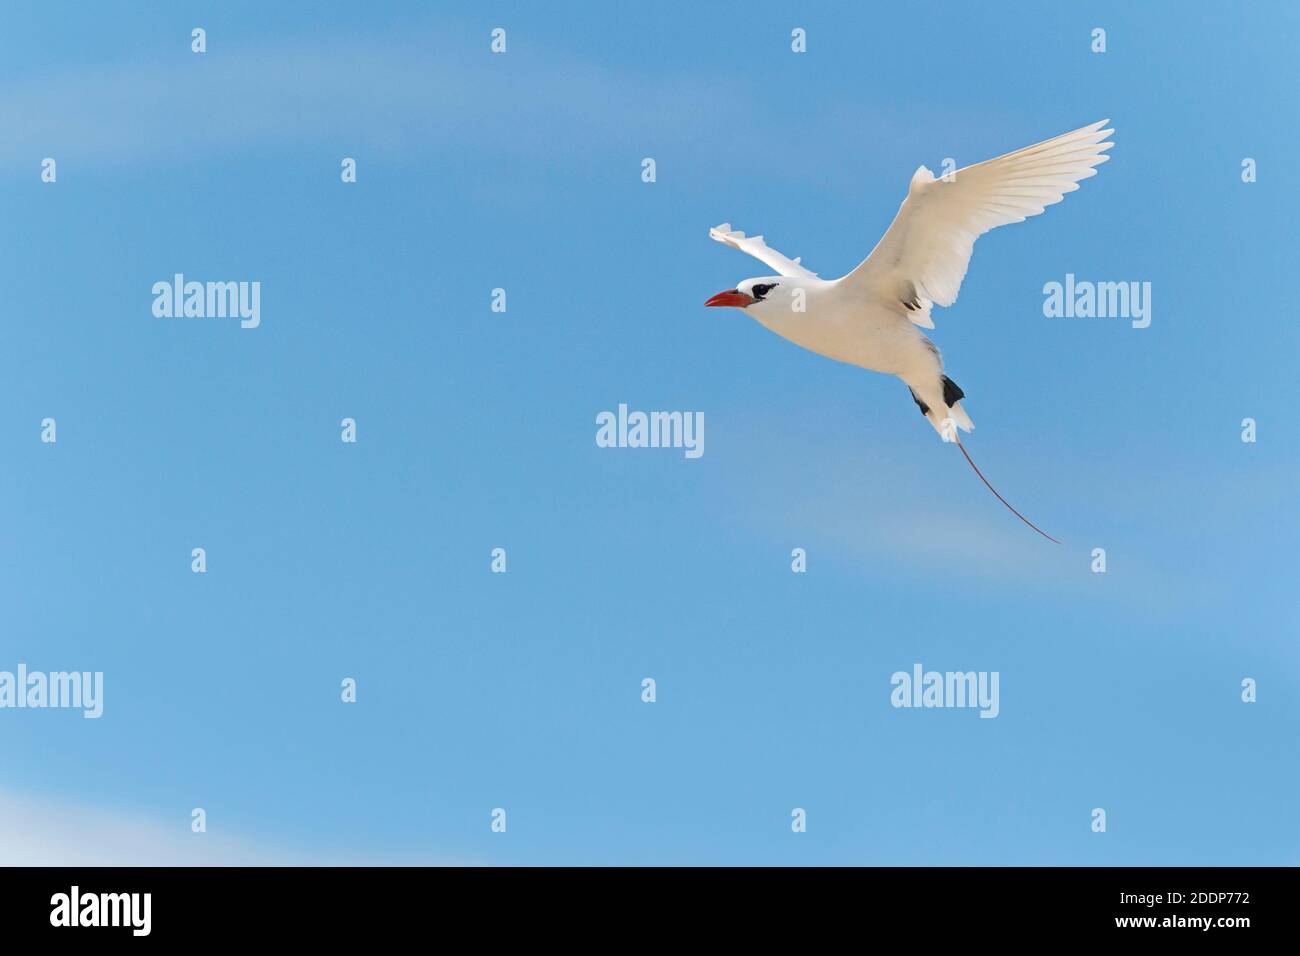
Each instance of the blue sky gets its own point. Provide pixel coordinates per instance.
(476, 430)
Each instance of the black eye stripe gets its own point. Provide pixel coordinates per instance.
(763, 288)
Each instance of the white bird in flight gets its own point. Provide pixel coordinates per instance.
(873, 316)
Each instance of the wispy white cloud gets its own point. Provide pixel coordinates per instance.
(40, 832)
(888, 507)
(389, 94)
(401, 97)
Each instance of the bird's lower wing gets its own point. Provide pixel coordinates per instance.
(756, 247)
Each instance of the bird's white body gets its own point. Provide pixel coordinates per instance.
(873, 316)
(853, 325)
(860, 326)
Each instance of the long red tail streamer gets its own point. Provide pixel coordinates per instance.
(1000, 498)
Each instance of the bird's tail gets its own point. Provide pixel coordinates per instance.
(949, 416)
(944, 421)
(998, 496)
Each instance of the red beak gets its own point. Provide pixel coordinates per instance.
(732, 297)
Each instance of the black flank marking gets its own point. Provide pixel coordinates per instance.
(925, 409)
(952, 393)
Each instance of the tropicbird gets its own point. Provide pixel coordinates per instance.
(873, 316)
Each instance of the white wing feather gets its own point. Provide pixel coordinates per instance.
(760, 250)
(925, 252)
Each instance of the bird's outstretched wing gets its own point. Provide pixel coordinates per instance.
(923, 256)
(760, 250)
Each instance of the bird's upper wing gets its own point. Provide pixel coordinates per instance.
(760, 250)
(924, 254)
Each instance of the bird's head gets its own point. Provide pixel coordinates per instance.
(747, 293)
